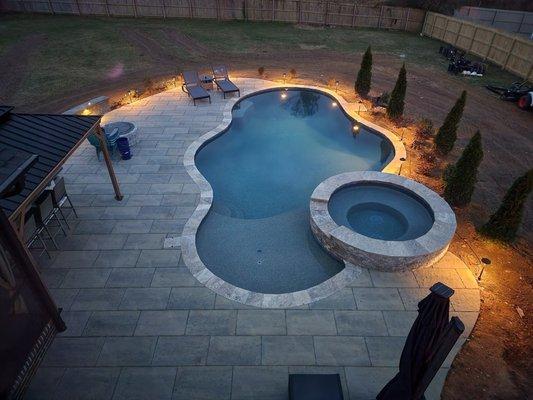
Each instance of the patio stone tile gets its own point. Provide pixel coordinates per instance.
(341, 351)
(166, 188)
(154, 178)
(426, 277)
(133, 226)
(156, 212)
(469, 280)
(111, 323)
(168, 226)
(92, 242)
(159, 258)
(183, 212)
(203, 383)
(362, 280)
(411, 297)
(378, 299)
(53, 277)
(87, 383)
(399, 323)
(144, 199)
(44, 384)
(468, 318)
(94, 226)
(64, 297)
(73, 352)
(364, 383)
(75, 322)
(161, 323)
(181, 350)
(86, 278)
(145, 299)
(184, 199)
(259, 383)
(261, 322)
(124, 212)
(234, 350)
(288, 350)
(465, 300)
(434, 390)
(174, 277)
(145, 383)
(75, 259)
(130, 277)
(191, 298)
(145, 241)
(342, 300)
(360, 323)
(222, 303)
(211, 322)
(393, 279)
(127, 351)
(117, 258)
(310, 322)
(97, 299)
(385, 351)
(108, 200)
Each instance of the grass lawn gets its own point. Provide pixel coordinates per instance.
(80, 51)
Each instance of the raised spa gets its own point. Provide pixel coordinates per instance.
(279, 146)
(381, 221)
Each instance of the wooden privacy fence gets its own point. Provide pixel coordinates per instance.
(295, 11)
(509, 51)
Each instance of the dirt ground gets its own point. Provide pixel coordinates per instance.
(496, 361)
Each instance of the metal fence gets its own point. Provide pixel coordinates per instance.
(520, 22)
(295, 11)
(509, 51)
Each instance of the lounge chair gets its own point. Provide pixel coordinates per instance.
(193, 88)
(222, 81)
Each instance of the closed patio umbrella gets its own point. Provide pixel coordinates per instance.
(420, 346)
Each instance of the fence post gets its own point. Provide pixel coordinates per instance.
(191, 13)
(380, 16)
(425, 23)
(407, 19)
(134, 4)
(217, 6)
(354, 14)
(489, 46)
(163, 8)
(273, 10)
(51, 7)
(107, 8)
(299, 4)
(473, 39)
(78, 7)
(326, 9)
(504, 66)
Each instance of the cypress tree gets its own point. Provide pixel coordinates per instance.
(364, 76)
(447, 134)
(504, 223)
(397, 97)
(461, 178)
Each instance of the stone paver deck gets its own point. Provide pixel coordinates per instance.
(140, 326)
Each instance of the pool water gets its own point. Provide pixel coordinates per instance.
(380, 212)
(279, 147)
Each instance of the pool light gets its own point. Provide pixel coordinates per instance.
(284, 95)
(334, 104)
(355, 128)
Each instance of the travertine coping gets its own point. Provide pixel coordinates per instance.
(389, 256)
(188, 239)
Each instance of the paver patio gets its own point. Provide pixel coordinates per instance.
(141, 326)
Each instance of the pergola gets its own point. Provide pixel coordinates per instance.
(53, 139)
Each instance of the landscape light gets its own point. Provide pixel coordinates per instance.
(336, 86)
(284, 77)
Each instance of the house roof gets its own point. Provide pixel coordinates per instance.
(52, 137)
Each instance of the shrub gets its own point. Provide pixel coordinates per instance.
(447, 134)
(292, 73)
(397, 97)
(425, 128)
(504, 223)
(364, 76)
(461, 178)
(261, 71)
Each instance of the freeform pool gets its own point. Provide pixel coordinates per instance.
(263, 169)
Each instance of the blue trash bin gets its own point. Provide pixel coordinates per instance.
(124, 148)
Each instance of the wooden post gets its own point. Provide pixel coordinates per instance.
(273, 10)
(51, 7)
(217, 6)
(425, 23)
(78, 7)
(445, 30)
(109, 164)
(490, 45)
(407, 19)
(134, 4)
(191, 11)
(504, 66)
(473, 39)
(163, 8)
(380, 16)
(107, 8)
(354, 14)
(326, 9)
(299, 4)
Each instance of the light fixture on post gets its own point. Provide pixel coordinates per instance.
(336, 86)
(284, 77)
(485, 262)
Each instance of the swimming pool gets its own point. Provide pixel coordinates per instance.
(279, 146)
